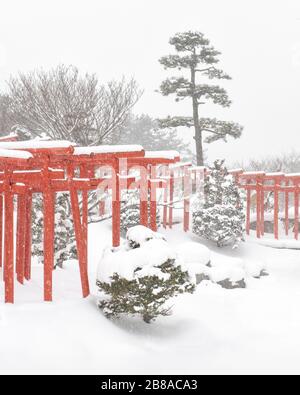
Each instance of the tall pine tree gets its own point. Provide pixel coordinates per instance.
(199, 58)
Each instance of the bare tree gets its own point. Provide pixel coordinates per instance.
(287, 163)
(65, 105)
(5, 122)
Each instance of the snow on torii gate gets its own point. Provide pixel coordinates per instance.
(48, 167)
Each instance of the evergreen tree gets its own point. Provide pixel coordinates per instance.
(196, 55)
(221, 217)
(155, 276)
(64, 241)
(144, 130)
(37, 226)
(64, 237)
(145, 295)
(130, 211)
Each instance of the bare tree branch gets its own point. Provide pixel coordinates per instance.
(65, 105)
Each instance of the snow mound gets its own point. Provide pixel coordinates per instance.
(125, 262)
(138, 235)
(282, 244)
(193, 253)
(223, 261)
(197, 272)
(255, 268)
(231, 273)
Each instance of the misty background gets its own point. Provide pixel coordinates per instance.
(259, 41)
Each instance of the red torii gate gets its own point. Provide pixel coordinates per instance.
(276, 183)
(50, 167)
(258, 181)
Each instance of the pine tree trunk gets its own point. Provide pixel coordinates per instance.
(198, 132)
(198, 135)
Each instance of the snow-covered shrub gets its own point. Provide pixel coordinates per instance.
(37, 226)
(130, 211)
(140, 280)
(229, 277)
(138, 235)
(193, 252)
(196, 259)
(233, 273)
(64, 237)
(221, 217)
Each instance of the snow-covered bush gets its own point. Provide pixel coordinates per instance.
(139, 278)
(193, 253)
(37, 226)
(221, 217)
(195, 257)
(130, 211)
(138, 235)
(64, 237)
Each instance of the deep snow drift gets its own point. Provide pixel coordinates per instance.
(252, 330)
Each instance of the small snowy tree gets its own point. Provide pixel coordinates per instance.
(64, 237)
(221, 218)
(141, 280)
(64, 241)
(130, 211)
(37, 226)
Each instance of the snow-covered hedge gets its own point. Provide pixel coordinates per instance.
(139, 235)
(139, 277)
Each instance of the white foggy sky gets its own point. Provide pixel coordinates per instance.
(259, 41)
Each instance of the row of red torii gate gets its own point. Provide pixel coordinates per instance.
(49, 167)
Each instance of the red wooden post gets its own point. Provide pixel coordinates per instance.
(21, 229)
(84, 174)
(165, 197)
(9, 245)
(258, 208)
(116, 204)
(171, 198)
(80, 235)
(262, 212)
(296, 203)
(1, 228)
(153, 197)
(143, 197)
(248, 209)
(48, 211)
(276, 208)
(28, 238)
(102, 208)
(286, 209)
(186, 202)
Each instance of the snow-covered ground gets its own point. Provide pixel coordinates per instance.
(252, 330)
